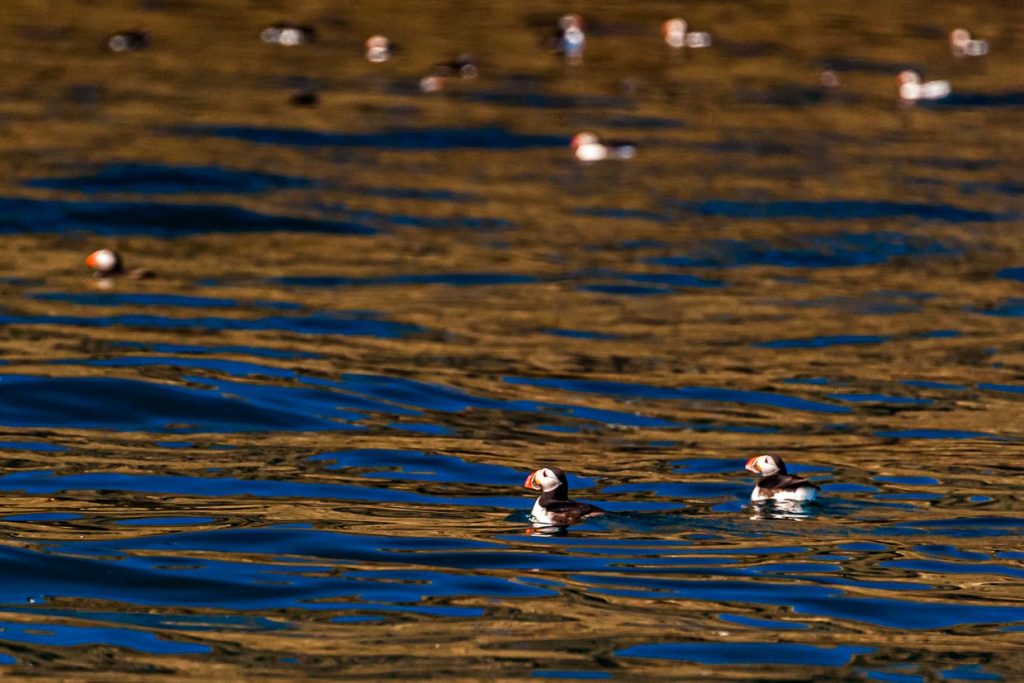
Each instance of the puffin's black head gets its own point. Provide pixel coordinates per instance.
(547, 479)
(766, 465)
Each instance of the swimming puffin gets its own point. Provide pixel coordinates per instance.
(463, 66)
(107, 263)
(553, 507)
(287, 34)
(677, 35)
(570, 38)
(128, 41)
(963, 45)
(778, 484)
(588, 147)
(912, 88)
(379, 49)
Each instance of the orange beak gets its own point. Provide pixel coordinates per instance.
(530, 483)
(752, 465)
(90, 260)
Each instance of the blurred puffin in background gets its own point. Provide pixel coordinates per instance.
(570, 38)
(588, 148)
(965, 45)
(912, 88)
(107, 263)
(678, 35)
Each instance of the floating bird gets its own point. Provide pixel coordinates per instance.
(128, 41)
(378, 49)
(463, 66)
(433, 83)
(288, 35)
(778, 484)
(107, 263)
(553, 507)
(913, 89)
(678, 36)
(588, 147)
(830, 79)
(963, 45)
(570, 38)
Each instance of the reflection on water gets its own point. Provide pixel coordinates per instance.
(299, 448)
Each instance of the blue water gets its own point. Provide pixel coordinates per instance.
(298, 447)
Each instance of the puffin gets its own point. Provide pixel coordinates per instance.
(379, 49)
(964, 45)
(128, 41)
(570, 38)
(287, 34)
(588, 147)
(107, 263)
(553, 507)
(778, 484)
(912, 88)
(462, 66)
(677, 35)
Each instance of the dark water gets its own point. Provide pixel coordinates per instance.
(299, 449)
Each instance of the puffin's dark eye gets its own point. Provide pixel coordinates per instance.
(545, 473)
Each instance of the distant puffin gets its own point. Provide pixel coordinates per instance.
(128, 41)
(677, 35)
(963, 45)
(570, 38)
(554, 507)
(287, 34)
(107, 263)
(913, 89)
(778, 484)
(463, 66)
(379, 49)
(588, 147)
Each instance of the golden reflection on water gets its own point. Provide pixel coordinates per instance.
(743, 121)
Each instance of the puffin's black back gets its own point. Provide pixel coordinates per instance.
(783, 480)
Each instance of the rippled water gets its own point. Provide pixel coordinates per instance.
(299, 449)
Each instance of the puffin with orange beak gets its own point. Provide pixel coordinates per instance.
(778, 484)
(553, 507)
(107, 263)
(588, 147)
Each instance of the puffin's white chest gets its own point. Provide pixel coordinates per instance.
(540, 514)
(802, 493)
(592, 151)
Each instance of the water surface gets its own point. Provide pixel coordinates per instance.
(299, 449)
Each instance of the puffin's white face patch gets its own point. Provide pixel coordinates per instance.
(766, 465)
(546, 479)
(104, 260)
